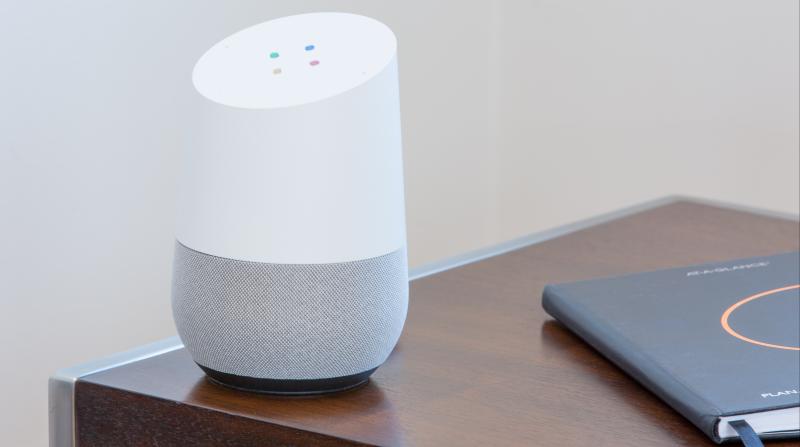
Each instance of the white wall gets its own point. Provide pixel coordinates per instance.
(517, 116)
(608, 103)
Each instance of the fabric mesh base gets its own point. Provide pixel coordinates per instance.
(289, 321)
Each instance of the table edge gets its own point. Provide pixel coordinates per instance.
(61, 385)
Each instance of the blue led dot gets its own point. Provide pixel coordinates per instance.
(309, 47)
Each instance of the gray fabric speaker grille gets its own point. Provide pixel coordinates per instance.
(289, 321)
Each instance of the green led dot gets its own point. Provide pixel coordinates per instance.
(273, 55)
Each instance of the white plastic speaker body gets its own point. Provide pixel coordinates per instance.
(290, 268)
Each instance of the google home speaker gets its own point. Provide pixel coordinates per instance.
(290, 272)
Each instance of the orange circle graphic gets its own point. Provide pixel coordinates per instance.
(729, 311)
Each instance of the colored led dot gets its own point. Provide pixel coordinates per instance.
(273, 55)
(314, 62)
(309, 47)
(277, 71)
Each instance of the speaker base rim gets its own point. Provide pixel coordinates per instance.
(287, 387)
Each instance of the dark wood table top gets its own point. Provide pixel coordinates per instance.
(479, 362)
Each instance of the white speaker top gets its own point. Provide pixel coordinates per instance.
(294, 60)
(294, 155)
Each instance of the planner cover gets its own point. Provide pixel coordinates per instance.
(718, 342)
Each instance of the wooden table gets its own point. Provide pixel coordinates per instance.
(479, 362)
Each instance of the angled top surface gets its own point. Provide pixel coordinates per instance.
(480, 363)
(294, 60)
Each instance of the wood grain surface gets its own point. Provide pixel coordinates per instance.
(479, 362)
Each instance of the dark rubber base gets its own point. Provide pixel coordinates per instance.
(302, 387)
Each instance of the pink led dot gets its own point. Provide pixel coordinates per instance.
(314, 62)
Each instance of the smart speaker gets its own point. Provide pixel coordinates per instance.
(290, 272)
